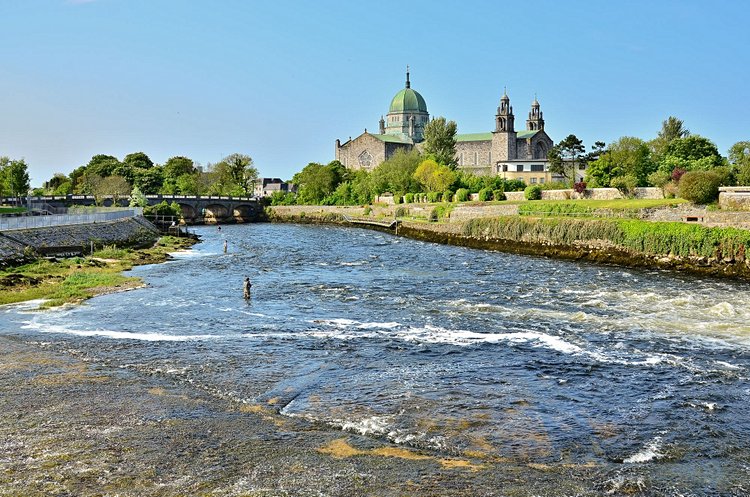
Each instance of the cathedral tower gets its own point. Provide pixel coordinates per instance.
(535, 122)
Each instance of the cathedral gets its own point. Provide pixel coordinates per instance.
(504, 151)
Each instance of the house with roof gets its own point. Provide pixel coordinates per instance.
(505, 152)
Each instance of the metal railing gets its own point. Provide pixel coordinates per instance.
(27, 222)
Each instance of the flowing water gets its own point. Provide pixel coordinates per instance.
(641, 374)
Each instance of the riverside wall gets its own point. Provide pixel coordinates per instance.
(591, 250)
(18, 245)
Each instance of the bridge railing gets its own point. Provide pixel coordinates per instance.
(27, 222)
(92, 198)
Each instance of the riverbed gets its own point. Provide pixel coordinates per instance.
(370, 364)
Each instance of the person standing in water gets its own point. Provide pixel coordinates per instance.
(225, 246)
(246, 287)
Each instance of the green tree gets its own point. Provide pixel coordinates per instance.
(175, 168)
(241, 171)
(149, 180)
(671, 129)
(628, 156)
(396, 175)
(433, 176)
(117, 186)
(138, 160)
(692, 153)
(317, 181)
(16, 175)
(102, 165)
(440, 141)
(739, 158)
(566, 156)
(137, 198)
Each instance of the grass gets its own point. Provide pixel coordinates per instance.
(80, 278)
(11, 210)
(591, 208)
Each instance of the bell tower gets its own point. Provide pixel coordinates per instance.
(504, 117)
(503, 146)
(535, 122)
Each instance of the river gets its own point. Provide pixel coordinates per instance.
(510, 360)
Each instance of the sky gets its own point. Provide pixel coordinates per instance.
(282, 80)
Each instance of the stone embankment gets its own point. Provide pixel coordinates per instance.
(17, 245)
(728, 258)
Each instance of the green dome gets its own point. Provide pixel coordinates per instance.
(408, 100)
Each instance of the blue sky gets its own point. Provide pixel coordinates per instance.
(281, 80)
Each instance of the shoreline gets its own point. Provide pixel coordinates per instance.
(64, 281)
(477, 232)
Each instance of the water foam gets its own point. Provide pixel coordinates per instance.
(651, 451)
(118, 335)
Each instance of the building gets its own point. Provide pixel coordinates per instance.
(265, 187)
(504, 151)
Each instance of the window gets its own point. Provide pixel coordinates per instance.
(533, 180)
(541, 180)
(519, 168)
(505, 168)
(537, 167)
(581, 167)
(365, 159)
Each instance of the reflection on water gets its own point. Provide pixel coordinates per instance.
(641, 373)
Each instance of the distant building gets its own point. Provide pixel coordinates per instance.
(267, 186)
(504, 151)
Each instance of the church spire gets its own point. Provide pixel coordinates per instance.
(408, 84)
(536, 120)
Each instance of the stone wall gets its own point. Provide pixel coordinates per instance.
(735, 198)
(462, 212)
(591, 193)
(77, 238)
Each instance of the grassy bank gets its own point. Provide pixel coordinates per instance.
(649, 238)
(80, 278)
(594, 208)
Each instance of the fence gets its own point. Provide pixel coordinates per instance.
(26, 222)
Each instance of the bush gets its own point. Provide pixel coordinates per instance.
(397, 199)
(514, 185)
(533, 192)
(659, 178)
(498, 195)
(408, 198)
(447, 196)
(555, 185)
(433, 197)
(700, 187)
(462, 195)
(367, 210)
(485, 194)
(677, 174)
(579, 187)
(625, 184)
(401, 211)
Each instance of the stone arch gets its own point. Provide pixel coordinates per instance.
(214, 212)
(243, 213)
(188, 211)
(365, 159)
(540, 150)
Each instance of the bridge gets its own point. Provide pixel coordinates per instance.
(195, 209)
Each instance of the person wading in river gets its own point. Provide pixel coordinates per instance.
(246, 287)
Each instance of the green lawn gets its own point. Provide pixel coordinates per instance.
(620, 203)
(11, 210)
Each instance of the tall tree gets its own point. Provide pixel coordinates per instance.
(138, 160)
(566, 156)
(102, 165)
(433, 176)
(440, 141)
(628, 156)
(242, 172)
(17, 178)
(396, 175)
(671, 129)
(317, 181)
(739, 157)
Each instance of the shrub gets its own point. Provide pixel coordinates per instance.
(659, 178)
(462, 195)
(498, 195)
(533, 192)
(485, 194)
(700, 187)
(367, 210)
(401, 211)
(555, 185)
(397, 199)
(625, 184)
(579, 187)
(408, 198)
(677, 174)
(670, 190)
(447, 196)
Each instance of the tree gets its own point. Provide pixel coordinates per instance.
(149, 180)
(138, 160)
(137, 198)
(396, 175)
(739, 157)
(102, 165)
(242, 172)
(671, 129)
(317, 181)
(117, 186)
(440, 141)
(692, 152)
(4, 162)
(628, 156)
(176, 167)
(566, 156)
(433, 176)
(17, 178)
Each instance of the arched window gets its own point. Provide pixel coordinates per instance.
(540, 151)
(365, 159)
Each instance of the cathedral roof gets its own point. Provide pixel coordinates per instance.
(474, 137)
(393, 138)
(408, 100)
